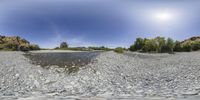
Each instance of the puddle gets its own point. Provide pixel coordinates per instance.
(70, 61)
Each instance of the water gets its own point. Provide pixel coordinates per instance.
(70, 61)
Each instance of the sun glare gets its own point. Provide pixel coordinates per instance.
(163, 16)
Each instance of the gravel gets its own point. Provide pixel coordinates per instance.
(109, 75)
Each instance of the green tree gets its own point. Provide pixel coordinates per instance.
(170, 44)
(150, 45)
(177, 46)
(160, 41)
(138, 44)
(64, 45)
(34, 47)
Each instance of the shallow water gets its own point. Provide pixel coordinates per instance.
(70, 61)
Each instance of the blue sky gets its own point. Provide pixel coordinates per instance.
(111, 23)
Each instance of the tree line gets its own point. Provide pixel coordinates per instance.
(157, 44)
(161, 45)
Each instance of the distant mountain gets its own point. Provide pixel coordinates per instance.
(16, 43)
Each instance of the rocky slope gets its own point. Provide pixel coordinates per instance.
(16, 43)
(197, 38)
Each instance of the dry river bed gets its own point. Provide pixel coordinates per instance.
(109, 76)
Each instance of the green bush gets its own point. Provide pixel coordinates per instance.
(34, 47)
(10, 46)
(195, 46)
(24, 48)
(187, 47)
(119, 50)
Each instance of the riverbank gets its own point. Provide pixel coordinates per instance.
(109, 75)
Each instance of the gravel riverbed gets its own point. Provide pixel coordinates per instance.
(109, 75)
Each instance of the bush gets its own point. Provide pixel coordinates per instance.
(24, 48)
(119, 50)
(195, 46)
(187, 47)
(34, 47)
(10, 46)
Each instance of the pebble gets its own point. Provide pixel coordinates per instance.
(128, 74)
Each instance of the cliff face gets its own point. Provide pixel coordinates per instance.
(16, 43)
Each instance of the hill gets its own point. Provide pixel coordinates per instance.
(191, 44)
(16, 43)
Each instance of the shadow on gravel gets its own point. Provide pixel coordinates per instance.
(70, 61)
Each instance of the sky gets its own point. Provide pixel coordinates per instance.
(110, 23)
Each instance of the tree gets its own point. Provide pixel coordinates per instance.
(132, 48)
(160, 41)
(150, 45)
(64, 45)
(177, 46)
(34, 47)
(138, 44)
(170, 44)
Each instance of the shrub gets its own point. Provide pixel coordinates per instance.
(119, 50)
(196, 46)
(187, 47)
(34, 47)
(56, 48)
(10, 46)
(24, 48)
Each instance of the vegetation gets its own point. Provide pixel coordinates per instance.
(99, 48)
(65, 46)
(119, 50)
(160, 44)
(15, 43)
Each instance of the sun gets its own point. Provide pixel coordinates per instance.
(163, 16)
